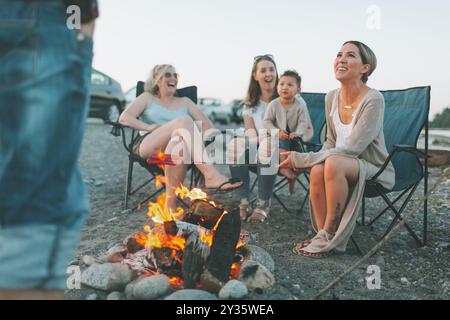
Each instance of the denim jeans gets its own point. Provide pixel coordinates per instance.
(44, 92)
(265, 182)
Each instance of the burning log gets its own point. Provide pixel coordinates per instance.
(195, 255)
(204, 213)
(223, 251)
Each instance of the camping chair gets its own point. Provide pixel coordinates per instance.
(316, 109)
(406, 114)
(153, 169)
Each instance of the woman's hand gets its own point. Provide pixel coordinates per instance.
(287, 163)
(293, 135)
(283, 135)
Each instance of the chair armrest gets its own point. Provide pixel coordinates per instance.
(398, 149)
(118, 130)
(410, 149)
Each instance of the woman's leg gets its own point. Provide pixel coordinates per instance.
(339, 173)
(317, 194)
(265, 187)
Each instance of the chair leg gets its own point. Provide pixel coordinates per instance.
(356, 246)
(128, 183)
(281, 202)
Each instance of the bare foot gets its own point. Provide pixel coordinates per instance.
(220, 181)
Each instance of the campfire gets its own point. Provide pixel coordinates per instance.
(196, 248)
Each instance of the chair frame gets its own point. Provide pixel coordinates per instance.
(409, 190)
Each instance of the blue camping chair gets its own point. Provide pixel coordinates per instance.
(406, 114)
(154, 170)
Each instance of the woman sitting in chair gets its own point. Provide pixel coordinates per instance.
(262, 89)
(166, 122)
(353, 152)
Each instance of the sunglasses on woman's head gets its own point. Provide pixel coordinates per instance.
(257, 58)
(170, 74)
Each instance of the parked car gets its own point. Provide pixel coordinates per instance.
(107, 97)
(130, 95)
(212, 108)
(237, 106)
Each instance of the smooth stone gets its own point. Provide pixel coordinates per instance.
(150, 288)
(191, 294)
(233, 289)
(116, 295)
(107, 276)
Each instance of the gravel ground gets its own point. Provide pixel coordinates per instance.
(407, 271)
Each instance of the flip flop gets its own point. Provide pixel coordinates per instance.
(219, 189)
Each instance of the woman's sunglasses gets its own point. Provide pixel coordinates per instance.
(170, 75)
(267, 56)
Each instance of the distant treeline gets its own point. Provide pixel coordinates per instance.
(441, 120)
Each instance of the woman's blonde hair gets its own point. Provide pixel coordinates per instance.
(367, 57)
(151, 85)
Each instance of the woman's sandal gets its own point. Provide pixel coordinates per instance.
(258, 215)
(313, 255)
(300, 245)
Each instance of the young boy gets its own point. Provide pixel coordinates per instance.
(289, 114)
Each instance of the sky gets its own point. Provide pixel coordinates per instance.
(212, 43)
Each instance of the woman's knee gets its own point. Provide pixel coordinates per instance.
(317, 176)
(334, 168)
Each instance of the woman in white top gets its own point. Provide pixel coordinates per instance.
(353, 152)
(261, 90)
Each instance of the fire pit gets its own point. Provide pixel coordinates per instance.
(196, 248)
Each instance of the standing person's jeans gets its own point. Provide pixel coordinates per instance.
(44, 83)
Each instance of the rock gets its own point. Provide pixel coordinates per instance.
(233, 289)
(92, 296)
(116, 295)
(130, 287)
(259, 255)
(150, 288)
(89, 260)
(255, 275)
(107, 277)
(404, 281)
(191, 294)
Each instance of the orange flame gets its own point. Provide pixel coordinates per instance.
(160, 240)
(159, 181)
(194, 194)
(158, 212)
(235, 268)
(176, 281)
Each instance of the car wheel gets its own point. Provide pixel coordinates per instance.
(112, 114)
